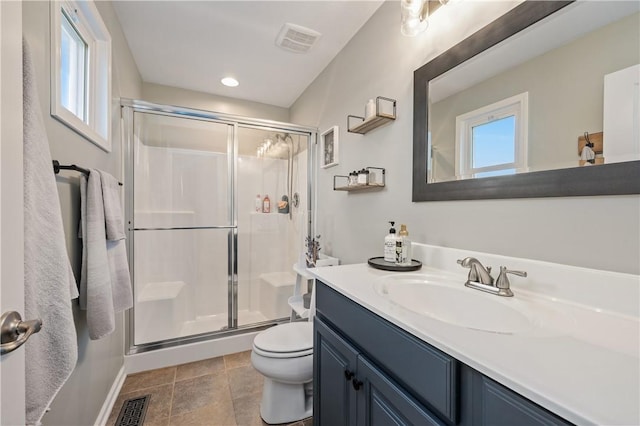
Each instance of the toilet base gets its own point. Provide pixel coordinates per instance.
(285, 403)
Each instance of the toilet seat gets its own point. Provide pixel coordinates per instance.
(289, 340)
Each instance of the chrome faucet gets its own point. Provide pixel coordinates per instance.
(480, 277)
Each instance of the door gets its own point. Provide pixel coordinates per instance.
(12, 389)
(182, 226)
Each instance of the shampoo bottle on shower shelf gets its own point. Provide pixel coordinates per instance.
(390, 244)
(403, 247)
(258, 204)
(266, 205)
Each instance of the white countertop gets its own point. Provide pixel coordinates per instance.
(586, 370)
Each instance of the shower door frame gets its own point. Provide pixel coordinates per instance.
(131, 106)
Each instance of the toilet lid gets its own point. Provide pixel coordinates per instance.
(286, 338)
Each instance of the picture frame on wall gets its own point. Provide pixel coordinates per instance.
(329, 147)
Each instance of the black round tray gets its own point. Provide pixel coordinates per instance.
(380, 263)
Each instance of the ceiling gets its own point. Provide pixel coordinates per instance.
(193, 44)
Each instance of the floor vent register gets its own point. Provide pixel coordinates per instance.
(133, 411)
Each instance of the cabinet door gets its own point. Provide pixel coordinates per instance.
(381, 402)
(497, 405)
(335, 361)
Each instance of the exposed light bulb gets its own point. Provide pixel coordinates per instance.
(413, 14)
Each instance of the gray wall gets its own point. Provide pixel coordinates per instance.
(99, 362)
(167, 95)
(595, 232)
(563, 104)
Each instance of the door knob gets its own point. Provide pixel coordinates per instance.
(14, 332)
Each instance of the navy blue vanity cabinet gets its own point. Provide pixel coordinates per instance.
(368, 371)
(497, 405)
(334, 369)
(388, 371)
(350, 390)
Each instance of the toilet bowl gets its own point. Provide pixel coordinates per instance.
(284, 356)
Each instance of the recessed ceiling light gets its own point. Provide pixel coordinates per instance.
(229, 81)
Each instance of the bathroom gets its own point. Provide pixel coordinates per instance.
(600, 232)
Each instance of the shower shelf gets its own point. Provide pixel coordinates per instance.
(368, 124)
(341, 182)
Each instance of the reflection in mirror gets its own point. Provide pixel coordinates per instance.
(567, 174)
(539, 100)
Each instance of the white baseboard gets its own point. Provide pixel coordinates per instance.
(110, 400)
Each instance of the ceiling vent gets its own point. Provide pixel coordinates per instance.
(296, 38)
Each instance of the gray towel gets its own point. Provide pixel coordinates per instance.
(112, 211)
(50, 355)
(105, 286)
(116, 249)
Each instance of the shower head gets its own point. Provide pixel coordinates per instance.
(278, 145)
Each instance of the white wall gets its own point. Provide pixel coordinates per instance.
(81, 398)
(596, 232)
(167, 95)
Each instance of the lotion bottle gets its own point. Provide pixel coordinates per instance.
(390, 245)
(403, 247)
(266, 205)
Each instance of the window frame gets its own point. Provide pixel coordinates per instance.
(517, 106)
(86, 20)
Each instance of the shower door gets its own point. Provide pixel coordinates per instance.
(183, 227)
(204, 261)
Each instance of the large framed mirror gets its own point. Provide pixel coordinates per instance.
(486, 95)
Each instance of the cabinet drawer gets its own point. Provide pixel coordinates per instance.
(430, 375)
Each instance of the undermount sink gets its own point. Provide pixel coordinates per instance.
(449, 301)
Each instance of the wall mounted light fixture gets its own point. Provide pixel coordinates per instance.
(414, 15)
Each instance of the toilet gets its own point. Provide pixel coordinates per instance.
(284, 356)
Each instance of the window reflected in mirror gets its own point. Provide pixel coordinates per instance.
(584, 81)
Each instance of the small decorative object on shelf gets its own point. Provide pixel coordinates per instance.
(353, 178)
(313, 250)
(383, 114)
(366, 179)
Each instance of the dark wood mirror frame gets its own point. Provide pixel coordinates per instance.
(606, 179)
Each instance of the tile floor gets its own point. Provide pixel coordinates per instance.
(222, 391)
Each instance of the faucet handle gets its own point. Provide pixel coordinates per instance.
(503, 281)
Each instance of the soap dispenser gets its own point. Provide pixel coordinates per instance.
(390, 244)
(403, 247)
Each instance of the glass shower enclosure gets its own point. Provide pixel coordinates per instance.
(207, 256)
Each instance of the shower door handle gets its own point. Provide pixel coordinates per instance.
(14, 331)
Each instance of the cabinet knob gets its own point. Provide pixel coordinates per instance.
(348, 374)
(357, 384)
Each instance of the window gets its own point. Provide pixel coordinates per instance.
(492, 140)
(81, 70)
